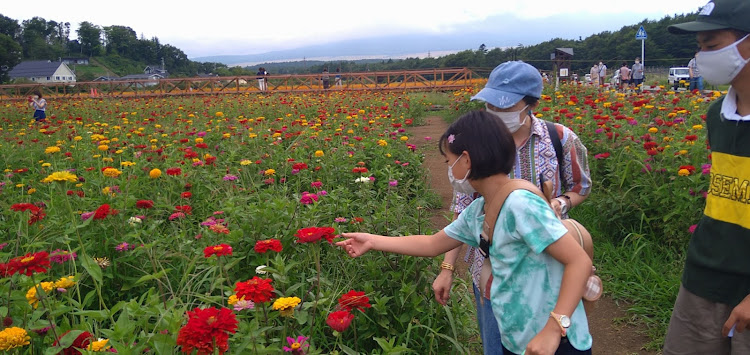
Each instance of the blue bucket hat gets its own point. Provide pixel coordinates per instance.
(509, 82)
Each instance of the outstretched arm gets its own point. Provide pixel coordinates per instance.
(357, 244)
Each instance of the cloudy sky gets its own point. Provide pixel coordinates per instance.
(217, 27)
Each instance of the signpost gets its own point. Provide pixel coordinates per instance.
(641, 35)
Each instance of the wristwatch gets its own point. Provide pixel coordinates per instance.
(562, 320)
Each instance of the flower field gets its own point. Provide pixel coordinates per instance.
(203, 224)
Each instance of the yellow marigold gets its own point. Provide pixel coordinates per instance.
(77, 138)
(245, 162)
(111, 172)
(99, 345)
(31, 293)
(154, 173)
(31, 191)
(270, 172)
(65, 282)
(404, 138)
(13, 337)
(46, 165)
(286, 305)
(653, 130)
(219, 114)
(103, 147)
(127, 163)
(683, 172)
(252, 135)
(697, 127)
(382, 143)
(53, 149)
(61, 176)
(199, 140)
(319, 153)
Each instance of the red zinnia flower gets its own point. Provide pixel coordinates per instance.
(205, 329)
(186, 194)
(29, 263)
(144, 204)
(82, 342)
(299, 166)
(263, 246)
(256, 289)
(314, 234)
(4, 270)
(102, 212)
(37, 213)
(174, 171)
(218, 250)
(184, 209)
(354, 300)
(339, 320)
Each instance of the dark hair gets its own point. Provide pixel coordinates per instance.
(38, 93)
(739, 33)
(624, 64)
(487, 140)
(530, 100)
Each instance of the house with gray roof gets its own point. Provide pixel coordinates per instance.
(43, 71)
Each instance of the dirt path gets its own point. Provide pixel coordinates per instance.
(611, 335)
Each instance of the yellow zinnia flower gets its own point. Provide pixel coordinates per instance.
(154, 173)
(111, 172)
(99, 345)
(286, 305)
(62, 176)
(319, 153)
(53, 149)
(13, 337)
(270, 172)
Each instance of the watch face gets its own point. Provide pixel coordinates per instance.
(565, 321)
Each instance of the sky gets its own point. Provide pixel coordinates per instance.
(222, 27)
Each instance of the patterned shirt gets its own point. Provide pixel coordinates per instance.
(537, 156)
(526, 280)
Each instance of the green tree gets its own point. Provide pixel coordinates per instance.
(10, 27)
(10, 55)
(120, 40)
(90, 38)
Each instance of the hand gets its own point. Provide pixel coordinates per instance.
(547, 341)
(356, 244)
(739, 318)
(442, 286)
(557, 207)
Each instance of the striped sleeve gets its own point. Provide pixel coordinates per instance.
(576, 168)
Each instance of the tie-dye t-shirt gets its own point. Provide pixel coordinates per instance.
(526, 280)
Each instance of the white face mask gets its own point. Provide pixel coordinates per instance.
(511, 119)
(463, 186)
(721, 66)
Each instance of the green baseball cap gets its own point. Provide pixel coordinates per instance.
(718, 15)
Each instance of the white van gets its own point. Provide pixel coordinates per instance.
(676, 74)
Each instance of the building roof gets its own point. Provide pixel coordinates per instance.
(34, 68)
(141, 76)
(568, 51)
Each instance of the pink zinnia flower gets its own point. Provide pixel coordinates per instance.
(176, 215)
(60, 256)
(308, 198)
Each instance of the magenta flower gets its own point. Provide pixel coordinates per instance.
(316, 184)
(308, 198)
(340, 220)
(60, 256)
(176, 215)
(296, 346)
(86, 215)
(124, 246)
(692, 228)
(393, 183)
(706, 169)
(230, 177)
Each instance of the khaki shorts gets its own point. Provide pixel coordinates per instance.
(695, 328)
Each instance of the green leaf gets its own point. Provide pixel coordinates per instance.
(91, 267)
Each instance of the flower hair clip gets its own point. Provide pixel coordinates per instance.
(451, 138)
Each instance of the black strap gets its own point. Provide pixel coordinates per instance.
(558, 150)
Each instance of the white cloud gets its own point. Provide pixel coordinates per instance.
(199, 28)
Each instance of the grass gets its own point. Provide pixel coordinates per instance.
(640, 271)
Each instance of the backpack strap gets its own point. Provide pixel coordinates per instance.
(558, 149)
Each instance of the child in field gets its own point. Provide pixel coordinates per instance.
(40, 106)
(538, 268)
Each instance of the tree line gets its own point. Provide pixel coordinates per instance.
(125, 53)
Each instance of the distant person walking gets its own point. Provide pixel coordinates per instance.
(40, 106)
(636, 78)
(696, 80)
(625, 73)
(262, 80)
(602, 73)
(594, 74)
(337, 78)
(325, 78)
